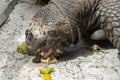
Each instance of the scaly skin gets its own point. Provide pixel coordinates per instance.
(54, 24)
(62, 22)
(110, 21)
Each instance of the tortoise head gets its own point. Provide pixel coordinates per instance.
(40, 36)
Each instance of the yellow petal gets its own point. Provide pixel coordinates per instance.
(46, 70)
(46, 77)
(21, 48)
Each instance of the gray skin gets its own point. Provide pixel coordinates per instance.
(61, 23)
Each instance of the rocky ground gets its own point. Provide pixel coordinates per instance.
(83, 65)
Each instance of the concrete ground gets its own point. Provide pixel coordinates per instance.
(83, 65)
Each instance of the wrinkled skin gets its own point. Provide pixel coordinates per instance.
(50, 28)
(62, 22)
(44, 37)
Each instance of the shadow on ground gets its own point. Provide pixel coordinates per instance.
(83, 48)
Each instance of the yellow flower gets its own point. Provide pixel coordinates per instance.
(46, 77)
(21, 48)
(46, 70)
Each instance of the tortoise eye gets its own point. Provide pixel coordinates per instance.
(51, 33)
(43, 43)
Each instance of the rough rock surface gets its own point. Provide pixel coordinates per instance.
(6, 7)
(83, 65)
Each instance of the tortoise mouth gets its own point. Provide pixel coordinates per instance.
(36, 48)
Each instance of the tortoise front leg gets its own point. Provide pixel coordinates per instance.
(110, 22)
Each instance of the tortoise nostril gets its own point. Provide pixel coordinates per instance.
(28, 35)
(43, 43)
